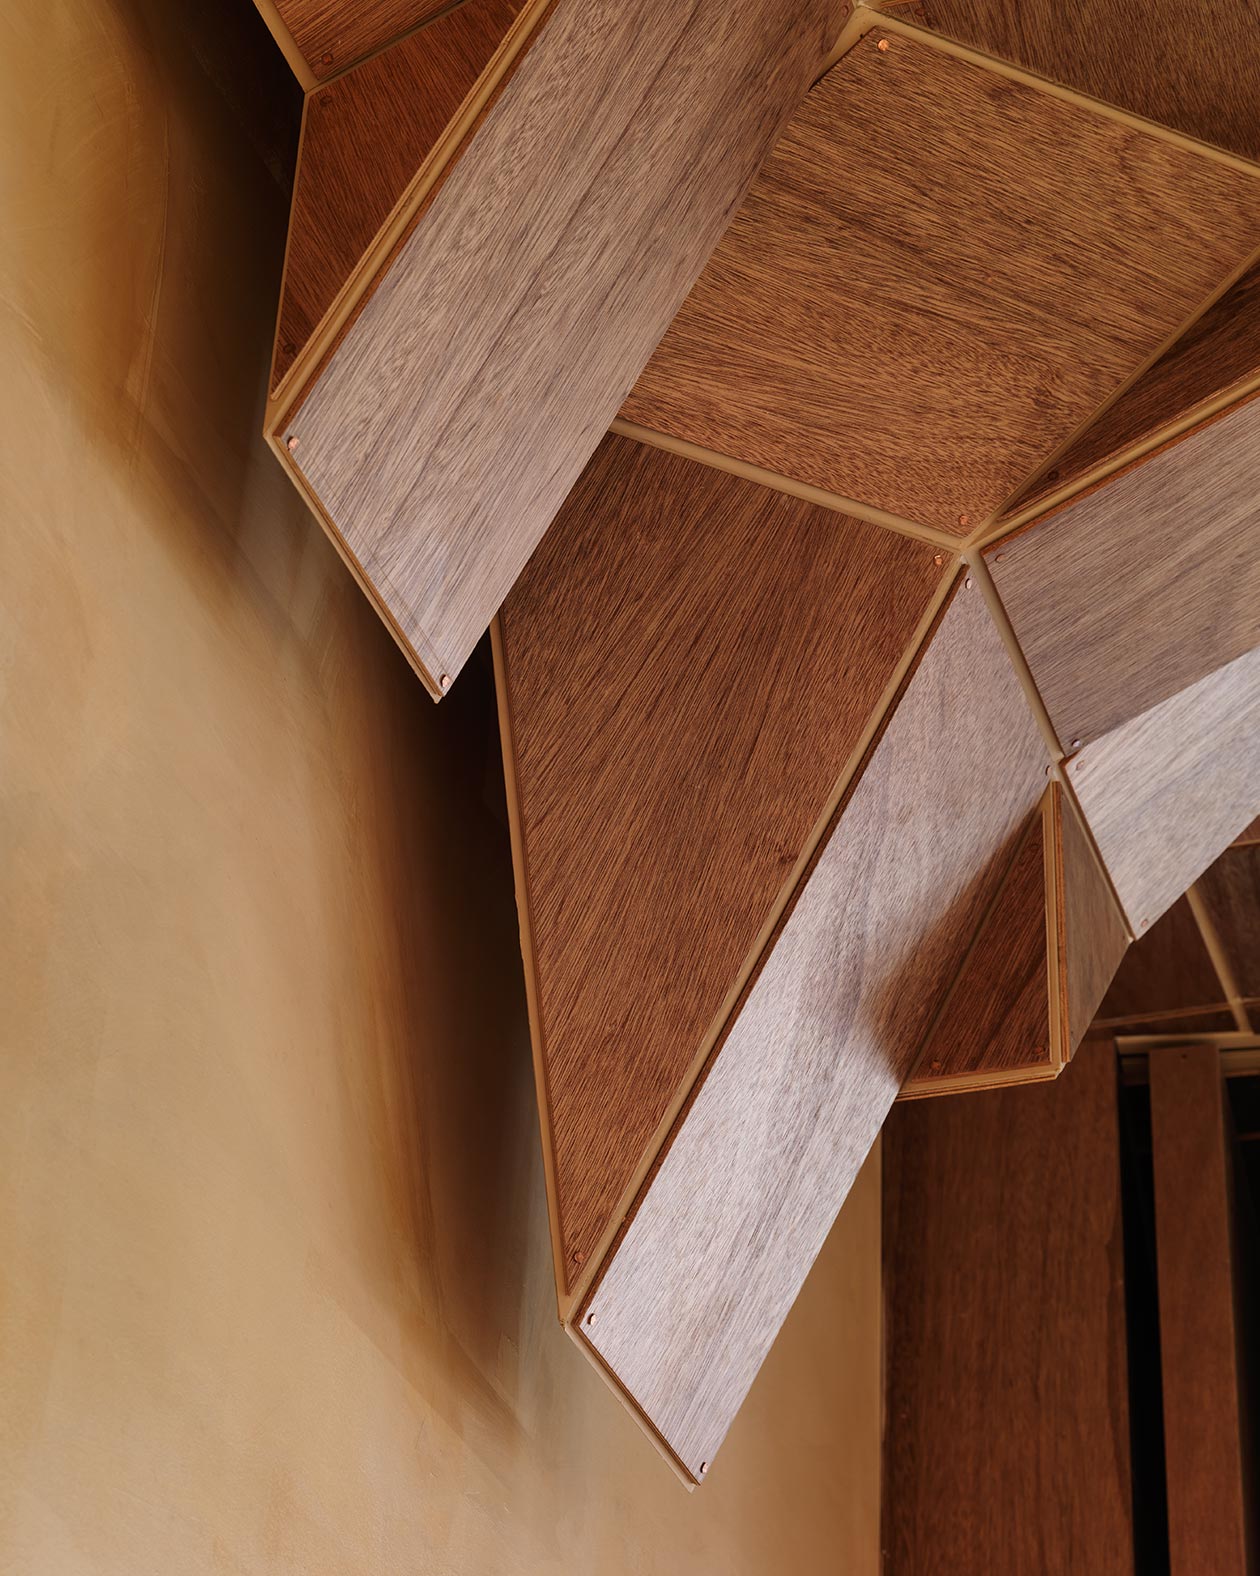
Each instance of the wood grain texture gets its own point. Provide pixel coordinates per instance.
(1167, 970)
(726, 1229)
(1094, 937)
(462, 404)
(1217, 1020)
(1146, 584)
(672, 763)
(1166, 793)
(1216, 354)
(365, 136)
(1188, 65)
(1007, 1437)
(1197, 1335)
(1230, 890)
(919, 321)
(996, 1019)
(333, 34)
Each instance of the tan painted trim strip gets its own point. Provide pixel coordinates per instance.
(785, 484)
(279, 30)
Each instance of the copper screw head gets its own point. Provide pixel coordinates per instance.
(579, 1257)
(934, 1067)
(938, 559)
(882, 46)
(964, 519)
(291, 442)
(444, 683)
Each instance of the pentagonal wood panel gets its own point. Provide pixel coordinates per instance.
(363, 139)
(1166, 793)
(725, 1231)
(1145, 585)
(689, 664)
(940, 273)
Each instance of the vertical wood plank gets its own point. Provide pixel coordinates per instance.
(1198, 1338)
(1007, 1438)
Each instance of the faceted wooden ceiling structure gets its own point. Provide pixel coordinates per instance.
(896, 658)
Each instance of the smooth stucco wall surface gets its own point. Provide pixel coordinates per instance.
(275, 1283)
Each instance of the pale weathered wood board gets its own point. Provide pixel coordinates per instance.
(1166, 793)
(918, 319)
(333, 34)
(1167, 971)
(1230, 891)
(364, 138)
(1203, 1448)
(1146, 584)
(453, 417)
(997, 1016)
(1006, 1446)
(1188, 64)
(725, 1231)
(1094, 935)
(690, 663)
(1220, 352)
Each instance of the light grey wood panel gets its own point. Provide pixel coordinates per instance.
(1146, 584)
(727, 1228)
(462, 404)
(1166, 793)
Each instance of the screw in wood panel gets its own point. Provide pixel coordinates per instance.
(968, 583)
(444, 683)
(1050, 769)
(326, 60)
(883, 46)
(1076, 744)
(998, 557)
(938, 559)
(934, 1067)
(590, 1318)
(1038, 1050)
(964, 519)
(1144, 923)
(579, 1257)
(704, 1467)
(291, 442)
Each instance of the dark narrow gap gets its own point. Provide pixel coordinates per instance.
(1243, 1105)
(1141, 1292)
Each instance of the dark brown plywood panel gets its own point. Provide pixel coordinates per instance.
(690, 661)
(333, 34)
(1093, 935)
(1250, 834)
(918, 319)
(1168, 792)
(1218, 353)
(997, 1017)
(1189, 65)
(1007, 1437)
(1197, 1336)
(1231, 893)
(1145, 585)
(726, 1229)
(454, 416)
(1168, 969)
(365, 137)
